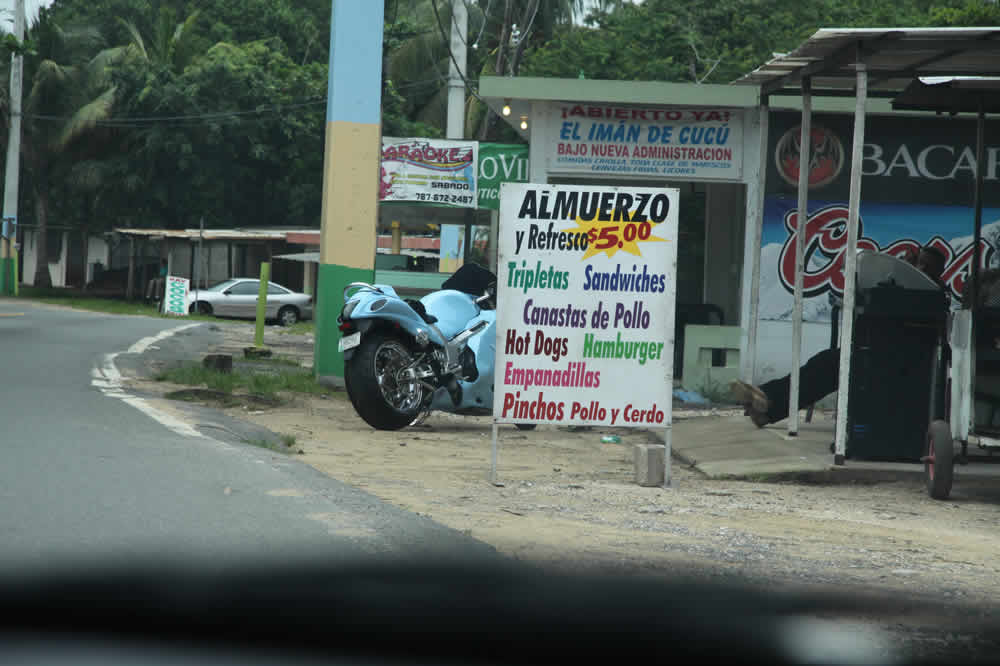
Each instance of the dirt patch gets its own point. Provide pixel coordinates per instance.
(568, 499)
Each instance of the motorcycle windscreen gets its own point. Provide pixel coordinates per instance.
(470, 279)
(453, 309)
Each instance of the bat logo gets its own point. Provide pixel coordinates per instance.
(826, 156)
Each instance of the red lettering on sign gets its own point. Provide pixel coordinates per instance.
(826, 249)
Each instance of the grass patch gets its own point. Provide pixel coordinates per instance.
(302, 382)
(117, 306)
(264, 384)
(299, 328)
(196, 375)
(274, 360)
(286, 444)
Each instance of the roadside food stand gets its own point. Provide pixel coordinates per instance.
(895, 64)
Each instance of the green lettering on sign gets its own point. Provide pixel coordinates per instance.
(500, 163)
(176, 296)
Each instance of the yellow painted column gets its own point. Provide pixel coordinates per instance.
(397, 238)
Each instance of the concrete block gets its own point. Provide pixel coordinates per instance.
(649, 464)
(220, 362)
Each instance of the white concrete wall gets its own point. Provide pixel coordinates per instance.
(28, 252)
(57, 269)
(61, 268)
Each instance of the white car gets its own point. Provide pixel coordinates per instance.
(238, 298)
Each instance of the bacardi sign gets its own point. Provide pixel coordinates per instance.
(935, 153)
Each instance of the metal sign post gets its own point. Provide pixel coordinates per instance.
(850, 266)
(805, 168)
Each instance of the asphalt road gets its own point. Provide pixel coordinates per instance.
(88, 478)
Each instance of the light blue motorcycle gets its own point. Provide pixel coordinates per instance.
(405, 358)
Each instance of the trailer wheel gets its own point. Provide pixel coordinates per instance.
(939, 460)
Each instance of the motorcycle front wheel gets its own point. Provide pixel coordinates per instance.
(379, 396)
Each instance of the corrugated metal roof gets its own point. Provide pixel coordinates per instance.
(893, 57)
(214, 234)
(306, 257)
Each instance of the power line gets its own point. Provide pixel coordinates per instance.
(130, 121)
(447, 40)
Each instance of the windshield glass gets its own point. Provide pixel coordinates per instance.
(608, 358)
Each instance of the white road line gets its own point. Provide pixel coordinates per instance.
(142, 345)
(108, 380)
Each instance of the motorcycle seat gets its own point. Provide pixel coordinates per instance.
(419, 308)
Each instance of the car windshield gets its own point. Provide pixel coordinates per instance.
(611, 357)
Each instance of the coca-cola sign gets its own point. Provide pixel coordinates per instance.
(826, 249)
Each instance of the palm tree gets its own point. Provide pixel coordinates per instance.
(172, 44)
(69, 92)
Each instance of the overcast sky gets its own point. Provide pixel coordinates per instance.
(30, 10)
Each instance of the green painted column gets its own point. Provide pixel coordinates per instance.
(6, 276)
(351, 165)
(265, 278)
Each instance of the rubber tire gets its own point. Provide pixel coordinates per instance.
(526, 426)
(288, 309)
(363, 389)
(200, 307)
(939, 484)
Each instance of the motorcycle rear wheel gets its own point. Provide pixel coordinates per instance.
(371, 380)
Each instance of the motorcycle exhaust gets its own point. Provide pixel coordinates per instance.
(459, 339)
(454, 390)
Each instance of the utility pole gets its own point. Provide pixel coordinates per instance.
(10, 190)
(456, 96)
(456, 71)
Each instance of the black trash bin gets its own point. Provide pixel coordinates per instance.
(896, 338)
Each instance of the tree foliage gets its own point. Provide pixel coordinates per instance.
(157, 113)
(717, 42)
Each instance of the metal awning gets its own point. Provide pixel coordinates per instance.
(305, 257)
(966, 94)
(213, 234)
(894, 57)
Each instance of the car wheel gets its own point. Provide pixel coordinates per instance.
(288, 315)
(201, 307)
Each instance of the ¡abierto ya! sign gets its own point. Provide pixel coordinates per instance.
(598, 139)
(430, 171)
(586, 285)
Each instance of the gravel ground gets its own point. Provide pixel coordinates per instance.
(569, 501)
